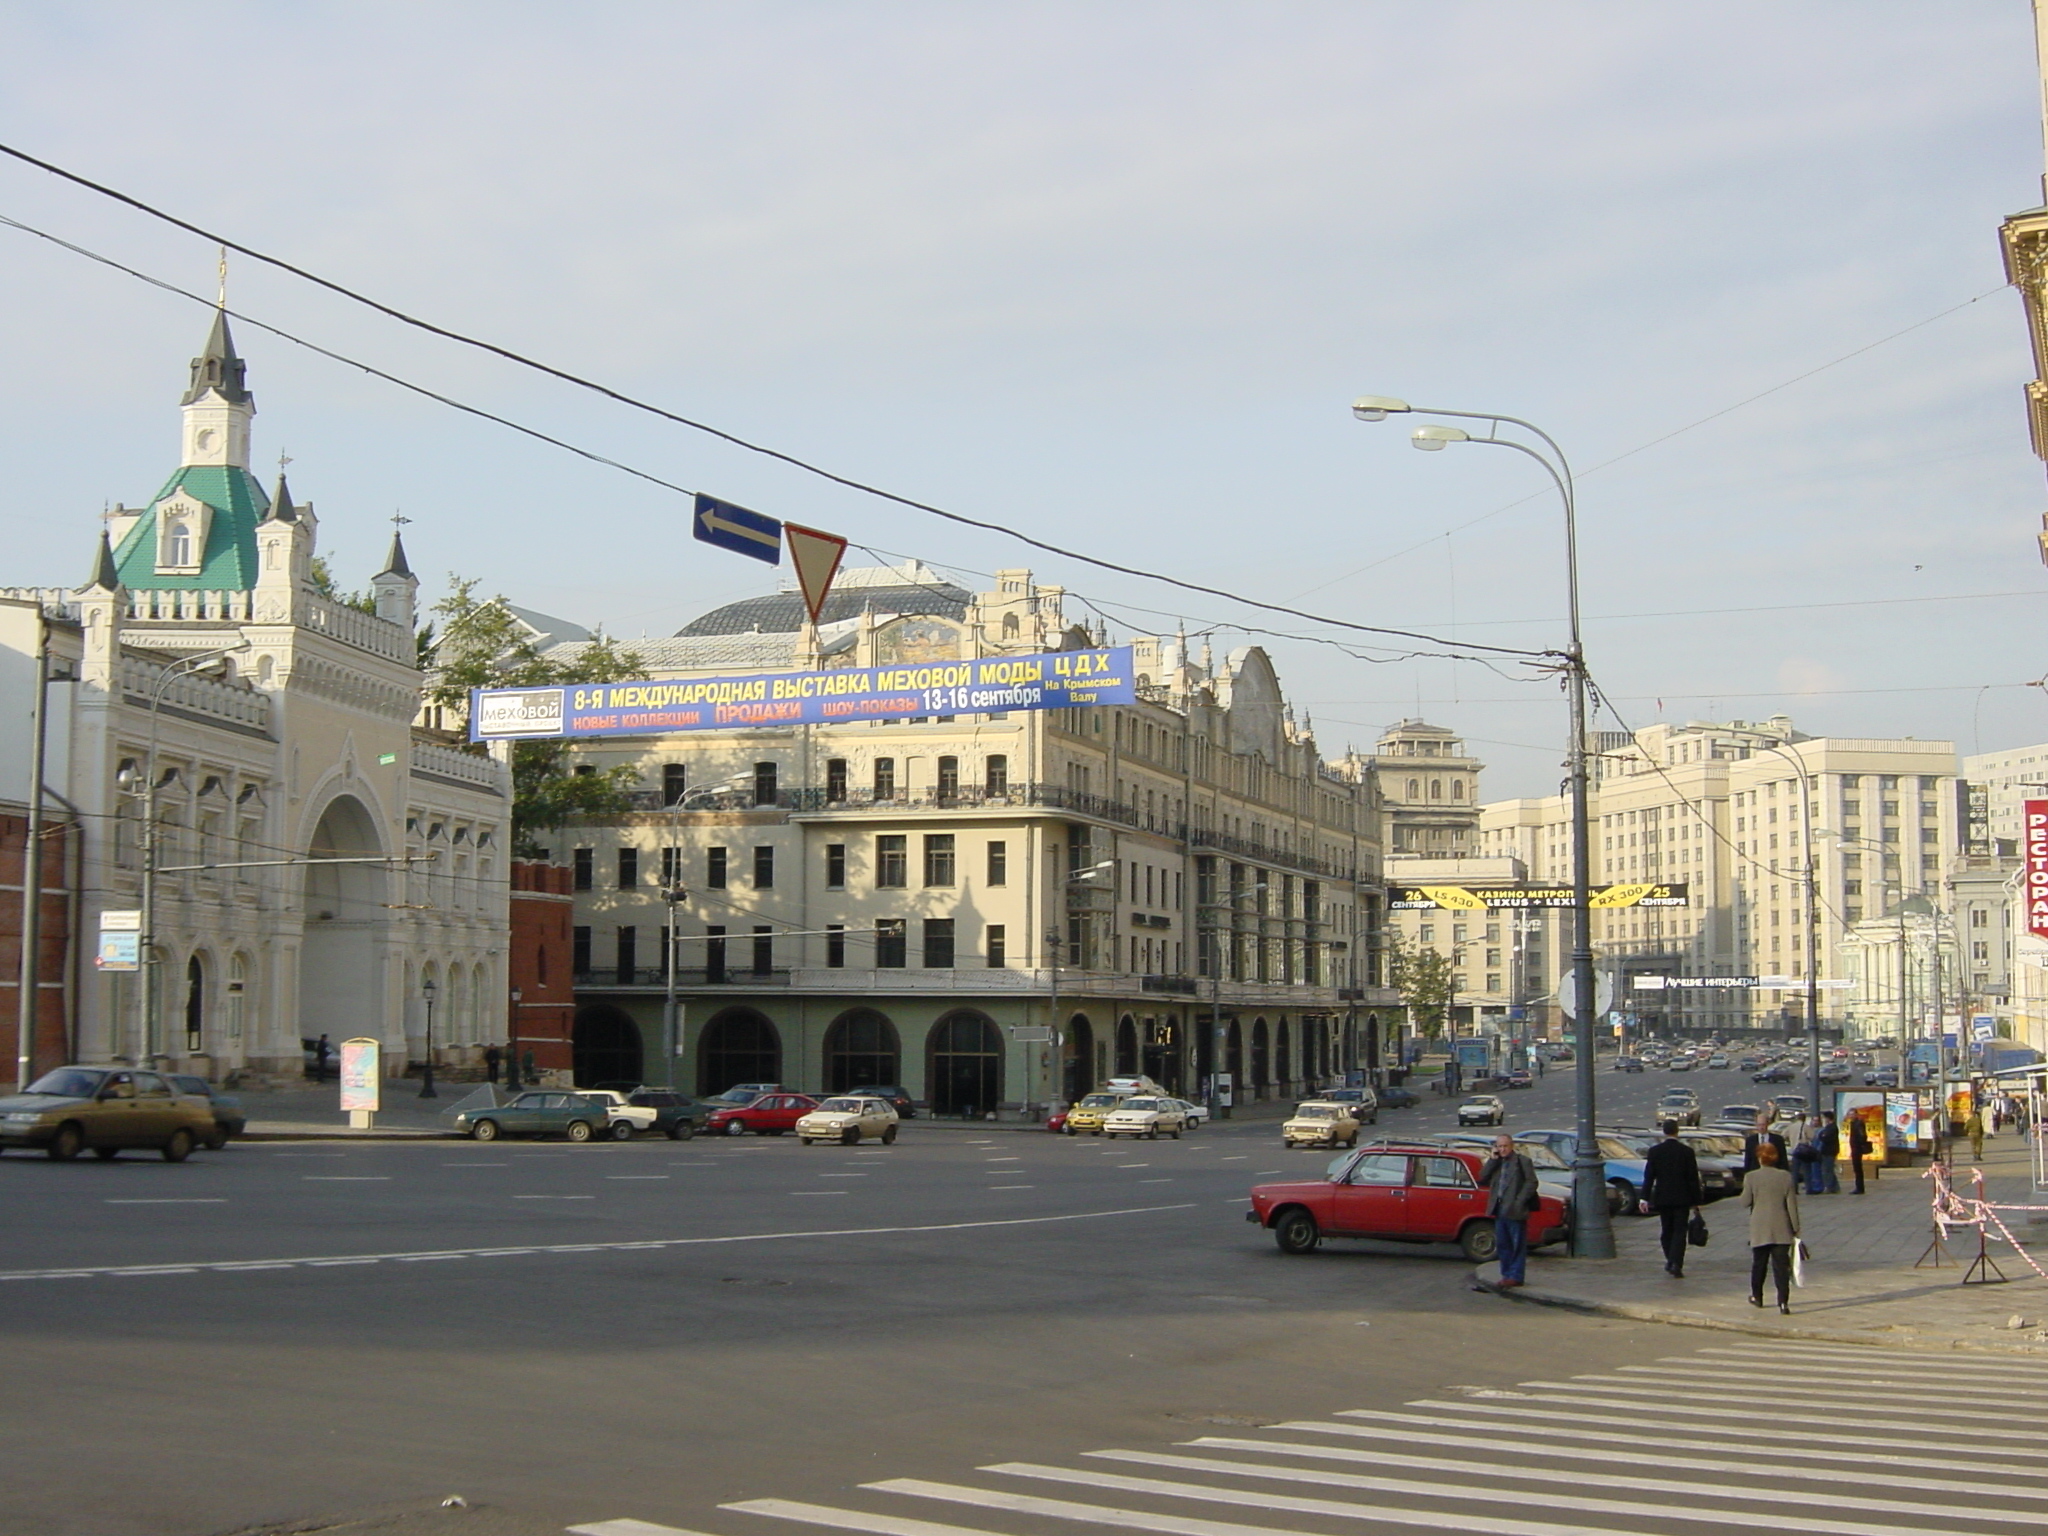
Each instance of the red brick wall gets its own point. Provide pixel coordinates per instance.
(543, 1019)
(52, 1034)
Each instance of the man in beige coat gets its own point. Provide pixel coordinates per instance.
(1773, 1202)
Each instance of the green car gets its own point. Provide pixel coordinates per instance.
(539, 1112)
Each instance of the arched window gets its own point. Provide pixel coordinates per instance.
(964, 1073)
(1436, 789)
(178, 544)
(1415, 789)
(1126, 1046)
(861, 1051)
(1011, 628)
(1259, 1057)
(1457, 789)
(738, 1046)
(195, 1006)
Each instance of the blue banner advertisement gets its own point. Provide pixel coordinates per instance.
(985, 685)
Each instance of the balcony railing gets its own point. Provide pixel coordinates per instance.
(686, 976)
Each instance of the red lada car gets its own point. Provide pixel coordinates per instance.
(1402, 1192)
(769, 1115)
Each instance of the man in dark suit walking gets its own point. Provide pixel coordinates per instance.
(1672, 1188)
(1763, 1132)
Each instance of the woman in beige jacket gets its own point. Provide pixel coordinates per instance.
(1773, 1202)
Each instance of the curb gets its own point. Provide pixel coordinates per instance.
(1635, 1312)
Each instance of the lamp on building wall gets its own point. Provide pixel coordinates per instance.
(1593, 1234)
(427, 990)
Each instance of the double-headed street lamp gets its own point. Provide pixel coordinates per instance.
(1592, 1231)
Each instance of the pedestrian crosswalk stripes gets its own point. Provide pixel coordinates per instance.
(1830, 1376)
(2013, 1366)
(1532, 1461)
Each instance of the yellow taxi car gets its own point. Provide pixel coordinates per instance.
(1145, 1116)
(1321, 1124)
(849, 1119)
(1093, 1109)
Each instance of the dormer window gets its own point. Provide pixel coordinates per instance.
(178, 544)
(181, 536)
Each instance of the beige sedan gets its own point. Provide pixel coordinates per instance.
(1145, 1116)
(1321, 1124)
(849, 1119)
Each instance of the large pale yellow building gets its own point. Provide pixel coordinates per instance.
(923, 901)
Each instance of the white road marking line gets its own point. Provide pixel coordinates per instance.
(1181, 1525)
(1239, 1200)
(629, 1528)
(1464, 1469)
(1005, 1159)
(1602, 1453)
(1013, 1186)
(817, 1192)
(336, 1263)
(223, 1269)
(554, 1197)
(1260, 1173)
(1861, 1352)
(842, 1175)
(669, 1242)
(1580, 1398)
(173, 1200)
(1730, 1375)
(476, 1165)
(1155, 1181)
(1406, 1487)
(1130, 1165)
(1643, 1421)
(427, 1258)
(346, 1178)
(850, 1519)
(1242, 1157)
(1792, 1397)
(636, 1176)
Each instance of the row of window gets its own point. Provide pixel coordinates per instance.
(892, 864)
(883, 783)
(890, 939)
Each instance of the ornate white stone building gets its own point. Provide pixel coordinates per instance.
(202, 677)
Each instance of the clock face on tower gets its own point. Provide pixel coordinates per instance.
(206, 439)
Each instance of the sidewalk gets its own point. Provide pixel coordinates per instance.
(1862, 1286)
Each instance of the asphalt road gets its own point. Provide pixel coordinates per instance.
(300, 1335)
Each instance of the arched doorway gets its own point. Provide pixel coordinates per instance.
(1261, 1059)
(964, 1075)
(1234, 1056)
(738, 1046)
(341, 977)
(1126, 1046)
(861, 1051)
(1283, 1053)
(195, 1006)
(607, 1046)
(1079, 1053)
(1162, 1061)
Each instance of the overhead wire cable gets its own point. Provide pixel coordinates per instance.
(622, 398)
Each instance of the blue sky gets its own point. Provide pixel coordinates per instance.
(1112, 274)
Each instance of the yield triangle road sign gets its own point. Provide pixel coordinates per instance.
(816, 557)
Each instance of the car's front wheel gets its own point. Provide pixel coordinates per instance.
(1295, 1233)
(484, 1130)
(578, 1130)
(67, 1143)
(179, 1147)
(850, 1137)
(1479, 1242)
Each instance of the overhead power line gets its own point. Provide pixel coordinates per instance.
(213, 237)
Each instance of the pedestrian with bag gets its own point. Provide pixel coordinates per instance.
(1859, 1149)
(1773, 1203)
(1672, 1188)
(1511, 1177)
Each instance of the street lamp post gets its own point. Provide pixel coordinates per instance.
(1592, 1232)
(146, 790)
(427, 1073)
(512, 1044)
(1785, 751)
(1055, 1037)
(674, 893)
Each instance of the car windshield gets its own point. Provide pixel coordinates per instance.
(736, 1096)
(1101, 1101)
(1477, 1104)
(1541, 1155)
(843, 1106)
(69, 1082)
(1615, 1147)
(1316, 1112)
(1141, 1104)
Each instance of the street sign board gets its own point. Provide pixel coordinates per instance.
(1983, 1026)
(816, 557)
(119, 951)
(657, 706)
(735, 528)
(361, 1081)
(2034, 850)
(121, 920)
(1568, 993)
(1474, 898)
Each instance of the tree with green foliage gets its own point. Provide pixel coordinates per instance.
(483, 645)
(325, 584)
(1423, 978)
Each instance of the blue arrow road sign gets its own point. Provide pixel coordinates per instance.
(737, 529)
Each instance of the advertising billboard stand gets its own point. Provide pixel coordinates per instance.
(361, 1082)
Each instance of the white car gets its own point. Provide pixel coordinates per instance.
(1145, 1116)
(622, 1117)
(1195, 1115)
(1482, 1109)
(849, 1119)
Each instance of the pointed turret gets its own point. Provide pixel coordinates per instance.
(218, 370)
(105, 577)
(281, 508)
(394, 563)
